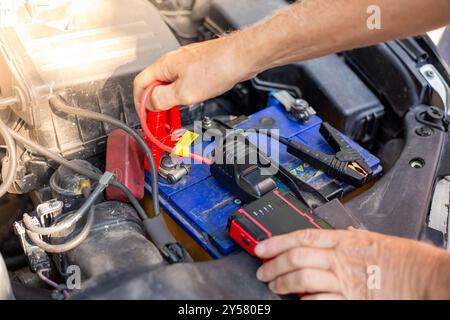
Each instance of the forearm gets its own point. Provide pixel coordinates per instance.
(309, 29)
(313, 28)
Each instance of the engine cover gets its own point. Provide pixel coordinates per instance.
(88, 51)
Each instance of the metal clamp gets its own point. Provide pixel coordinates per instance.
(438, 84)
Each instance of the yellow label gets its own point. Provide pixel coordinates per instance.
(183, 146)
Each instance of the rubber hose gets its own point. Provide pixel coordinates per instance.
(51, 155)
(69, 222)
(81, 170)
(72, 244)
(6, 102)
(60, 105)
(142, 214)
(11, 176)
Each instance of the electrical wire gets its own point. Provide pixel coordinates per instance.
(71, 244)
(304, 191)
(60, 105)
(135, 203)
(53, 156)
(175, 13)
(162, 227)
(50, 282)
(146, 97)
(12, 159)
(74, 167)
(6, 102)
(68, 222)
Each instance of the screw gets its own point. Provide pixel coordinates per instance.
(238, 202)
(434, 114)
(424, 131)
(429, 74)
(299, 110)
(168, 163)
(301, 103)
(417, 163)
(207, 122)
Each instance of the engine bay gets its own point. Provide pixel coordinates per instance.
(355, 139)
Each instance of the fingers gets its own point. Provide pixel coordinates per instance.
(146, 77)
(305, 281)
(141, 81)
(165, 97)
(324, 239)
(324, 296)
(294, 259)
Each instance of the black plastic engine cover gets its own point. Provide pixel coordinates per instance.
(91, 58)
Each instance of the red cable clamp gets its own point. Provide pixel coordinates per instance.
(163, 128)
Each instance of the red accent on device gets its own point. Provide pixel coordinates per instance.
(307, 216)
(165, 126)
(242, 237)
(124, 158)
(276, 213)
(268, 233)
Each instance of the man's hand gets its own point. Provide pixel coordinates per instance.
(329, 264)
(195, 72)
(201, 71)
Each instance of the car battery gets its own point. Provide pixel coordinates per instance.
(275, 117)
(202, 207)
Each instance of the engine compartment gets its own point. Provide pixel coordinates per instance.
(89, 53)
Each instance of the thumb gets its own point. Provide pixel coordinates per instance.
(164, 97)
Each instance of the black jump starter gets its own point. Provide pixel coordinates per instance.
(274, 214)
(267, 210)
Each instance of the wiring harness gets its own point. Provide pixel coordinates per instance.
(155, 226)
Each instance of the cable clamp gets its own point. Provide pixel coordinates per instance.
(106, 179)
(173, 252)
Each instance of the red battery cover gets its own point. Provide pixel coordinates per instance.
(125, 158)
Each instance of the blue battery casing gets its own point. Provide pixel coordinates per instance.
(202, 207)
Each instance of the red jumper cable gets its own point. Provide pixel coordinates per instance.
(163, 128)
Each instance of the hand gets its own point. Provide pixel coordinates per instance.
(196, 72)
(328, 264)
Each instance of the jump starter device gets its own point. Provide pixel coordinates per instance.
(274, 214)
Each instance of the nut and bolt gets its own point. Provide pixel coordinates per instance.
(207, 122)
(424, 131)
(429, 74)
(301, 103)
(299, 109)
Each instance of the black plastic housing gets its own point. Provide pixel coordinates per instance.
(91, 60)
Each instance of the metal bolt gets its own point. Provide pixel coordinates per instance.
(429, 74)
(238, 201)
(424, 131)
(207, 122)
(417, 163)
(434, 114)
(301, 103)
(168, 163)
